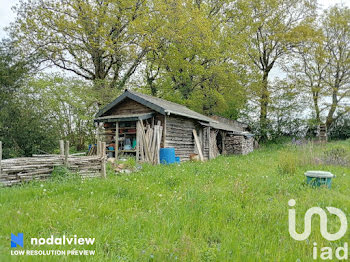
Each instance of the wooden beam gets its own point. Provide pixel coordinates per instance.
(61, 147)
(99, 146)
(98, 132)
(159, 141)
(137, 141)
(116, 149)
(103, 160)
(196, 140)
(210, 154)
(164, 132)
(145, 142)
(141, 132)
(66, 154)
(153, 139)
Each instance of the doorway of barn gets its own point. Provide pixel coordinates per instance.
(219, 142)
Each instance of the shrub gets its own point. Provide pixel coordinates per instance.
(288, 163)
(128, 163)
(336, 156)
(340, 128)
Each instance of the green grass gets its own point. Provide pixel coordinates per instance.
(229, 209)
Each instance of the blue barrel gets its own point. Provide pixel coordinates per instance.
(177, 159)
(167, 155)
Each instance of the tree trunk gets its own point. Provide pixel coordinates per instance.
(264, 103)
(316, 106)
(330, 116)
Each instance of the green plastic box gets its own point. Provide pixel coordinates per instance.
(319, 178)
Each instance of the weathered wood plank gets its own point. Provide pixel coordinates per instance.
(198, 145)
(164, 131)
(137, 141)
(128, 107)
(103, 160)
(66, 154)
(117, 140)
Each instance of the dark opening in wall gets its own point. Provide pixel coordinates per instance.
(219, 142)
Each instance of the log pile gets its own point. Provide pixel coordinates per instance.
(18, 170)
(86, 166)
(238, 144)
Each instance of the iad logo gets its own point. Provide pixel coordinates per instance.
(323, 222)
(17, 240)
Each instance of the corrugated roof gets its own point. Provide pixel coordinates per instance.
(160, 105)
(227, 127)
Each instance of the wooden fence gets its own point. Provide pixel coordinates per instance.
(39, 167)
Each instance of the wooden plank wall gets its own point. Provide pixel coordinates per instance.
(205, 142)
(128, 107)
(179, 135)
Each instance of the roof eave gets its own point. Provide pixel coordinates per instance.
(168, 112)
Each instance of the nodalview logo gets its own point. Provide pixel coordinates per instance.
(323, 222)
(16, 240)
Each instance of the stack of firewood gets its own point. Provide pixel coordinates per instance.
(17, 170)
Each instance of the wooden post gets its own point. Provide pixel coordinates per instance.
(159, 141)
(0, 155)
(164, 132)
(137, 141)
(61, 147)
(145, 142)
(99, 146)
(141, 147)
(66, 154)
(210, 154)
(196, 140)
(103, 160)
(116, 149)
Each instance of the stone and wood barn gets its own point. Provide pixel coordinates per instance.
(183, 129)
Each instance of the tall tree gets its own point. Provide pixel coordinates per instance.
(308, 72)
(22, 130)
(104, 41)
(67, 103)
(274, 27)
(193, 63)
(323, 66)
(336, 25)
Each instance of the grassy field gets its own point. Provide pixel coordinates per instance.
(232, 208)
